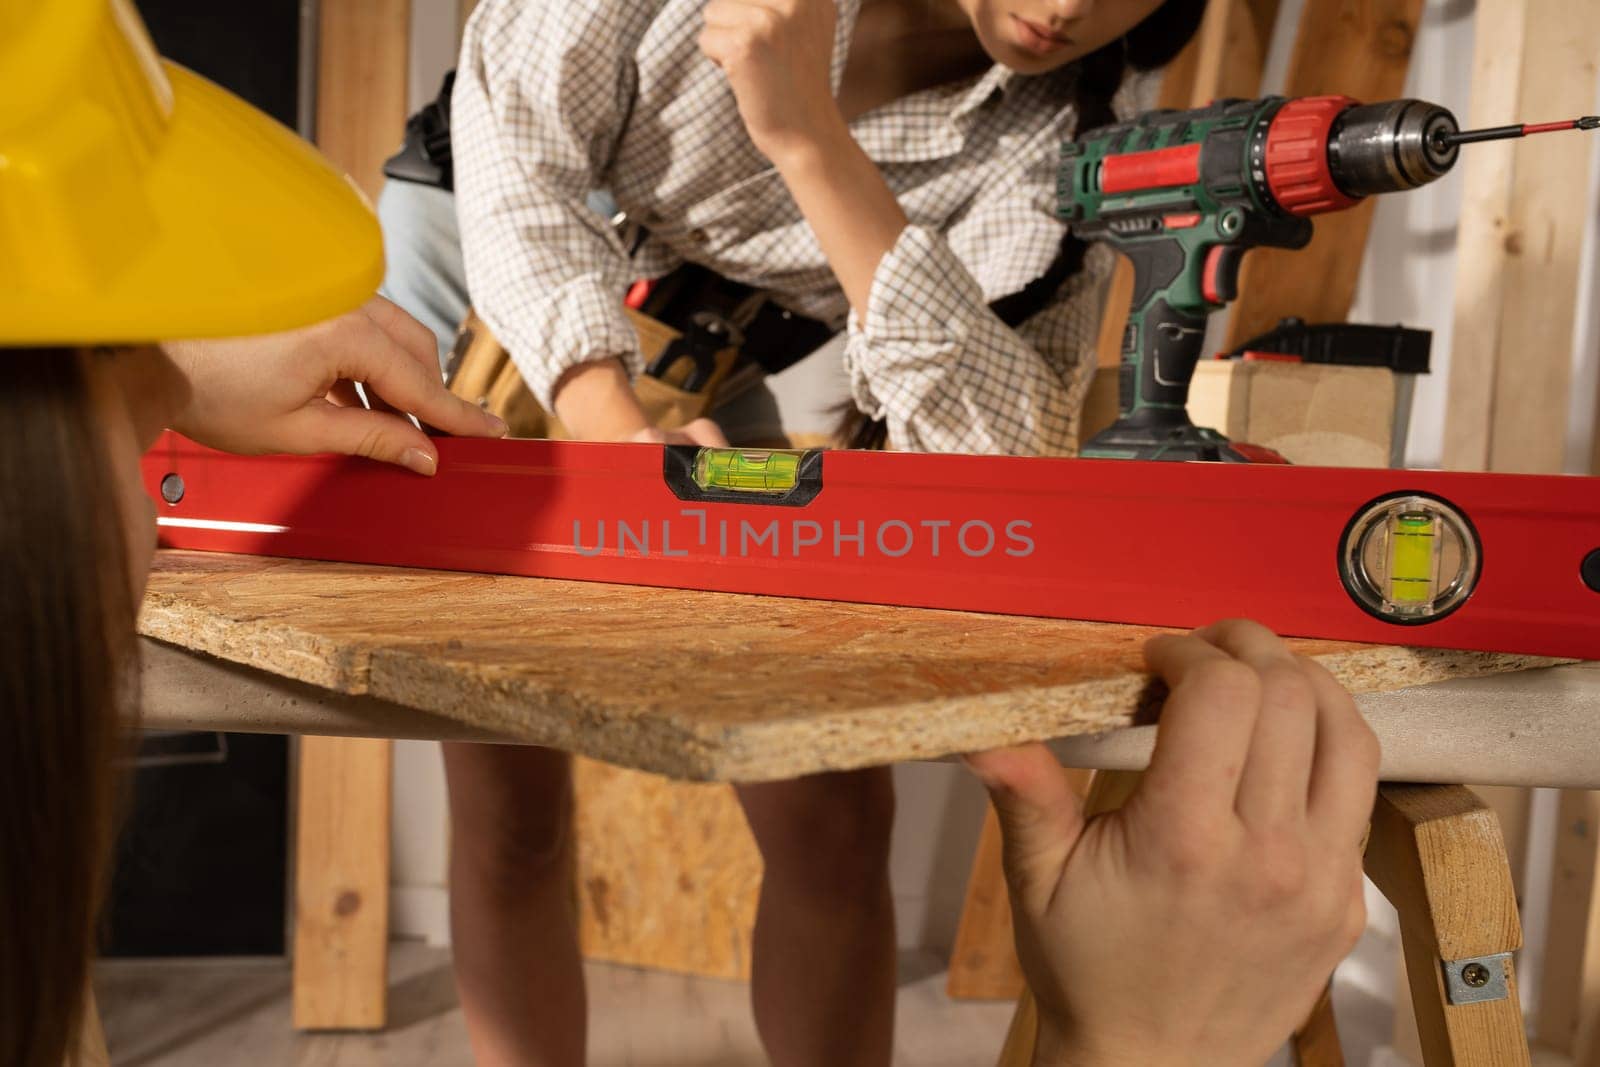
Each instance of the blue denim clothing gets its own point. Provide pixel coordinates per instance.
(424, 274)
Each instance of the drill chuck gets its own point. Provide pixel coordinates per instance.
(1391, 147)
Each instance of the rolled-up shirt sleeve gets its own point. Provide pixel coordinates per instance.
(541, 95)
(947, 375)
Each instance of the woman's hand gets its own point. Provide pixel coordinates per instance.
(778, 56)
(1199, 923)
(596, 402)
(291, 392)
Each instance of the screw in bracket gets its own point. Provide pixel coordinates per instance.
(1477, 979)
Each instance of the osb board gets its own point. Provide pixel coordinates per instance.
(668, 873)
(690, 684)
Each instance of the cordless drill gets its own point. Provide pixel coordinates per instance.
(1185, 194)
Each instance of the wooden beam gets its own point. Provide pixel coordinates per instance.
(1569, 1000)
(1481, 237)
(1232, 53)
(1520, 240)
(1360, 48)
(342, 831)
(1543, 242)
(341, 910)
(1594, 460)
(1516, 299)
(363, 50)
(983, 961)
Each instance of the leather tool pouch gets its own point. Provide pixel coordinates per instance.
(684, 374)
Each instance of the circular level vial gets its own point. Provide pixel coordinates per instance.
(1410, 558)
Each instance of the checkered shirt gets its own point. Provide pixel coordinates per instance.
(555, 98)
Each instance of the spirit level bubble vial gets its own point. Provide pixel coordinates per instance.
(751, 470)
(787, 477)
(1410, 558)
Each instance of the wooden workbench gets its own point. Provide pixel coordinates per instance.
(692, 685)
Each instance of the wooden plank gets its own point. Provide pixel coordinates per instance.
(341, 911)
(983, 961)
(1516, 301)
(1360, 48)
(1569, 1000)
(1594, 462)
(1314, 414)
(1437, 854)
(1518, 248)
(1234, 39)
(1544, 242)
(667, 875)
(342, 830)
(1482, 234)
(694, 684)
(363, 49)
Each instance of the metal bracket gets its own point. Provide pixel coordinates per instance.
(1476, 979)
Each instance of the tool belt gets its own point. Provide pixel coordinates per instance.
(696, 330)
(424, 155)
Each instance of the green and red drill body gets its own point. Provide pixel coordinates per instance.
(1185, 194)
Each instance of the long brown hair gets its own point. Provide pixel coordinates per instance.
(66, 640)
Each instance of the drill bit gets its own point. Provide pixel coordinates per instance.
(1500, 133)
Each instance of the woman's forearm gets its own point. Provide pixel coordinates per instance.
(850, 207)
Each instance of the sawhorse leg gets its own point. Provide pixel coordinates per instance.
(1437, 854)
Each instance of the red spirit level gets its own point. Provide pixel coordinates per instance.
(1474, 561)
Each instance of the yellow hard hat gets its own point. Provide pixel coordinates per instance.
(140, 202)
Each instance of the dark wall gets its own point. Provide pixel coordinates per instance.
(202, 861)
(251, 47)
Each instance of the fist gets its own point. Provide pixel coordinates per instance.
(777, 55)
